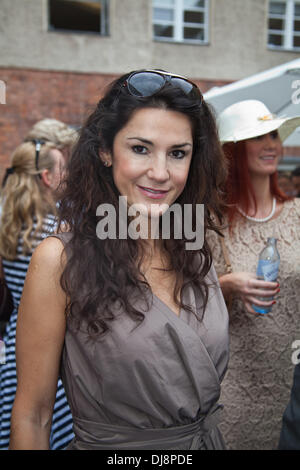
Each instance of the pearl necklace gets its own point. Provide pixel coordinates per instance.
(265, 219)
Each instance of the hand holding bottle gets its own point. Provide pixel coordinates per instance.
(252, 291)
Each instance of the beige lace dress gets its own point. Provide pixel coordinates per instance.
(257, 385)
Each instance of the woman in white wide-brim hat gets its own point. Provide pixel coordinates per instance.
(257, 385)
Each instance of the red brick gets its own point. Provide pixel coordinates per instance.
(32, 95)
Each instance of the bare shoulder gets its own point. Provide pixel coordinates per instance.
(42, 284)
(50, 253)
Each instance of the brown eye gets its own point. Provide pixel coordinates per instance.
(274, 135)
(139, 149)
(178, 154)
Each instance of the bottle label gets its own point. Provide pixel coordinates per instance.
(262, 310)
(267, 270)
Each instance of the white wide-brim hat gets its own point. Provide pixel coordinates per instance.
(251, 118)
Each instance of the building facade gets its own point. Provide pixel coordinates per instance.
(56, 56)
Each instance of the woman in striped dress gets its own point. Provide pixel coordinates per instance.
(28, 216)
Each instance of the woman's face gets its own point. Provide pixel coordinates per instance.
(151, 157)
(263, 153)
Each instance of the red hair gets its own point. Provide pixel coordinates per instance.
(238, 187)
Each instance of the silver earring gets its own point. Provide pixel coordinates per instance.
(105, 163)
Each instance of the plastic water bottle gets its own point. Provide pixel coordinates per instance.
(267, 269)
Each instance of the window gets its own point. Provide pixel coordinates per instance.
(284, 24)
(180, 20)
(79, 16)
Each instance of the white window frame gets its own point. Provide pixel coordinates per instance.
(179, 24)
(288, 32)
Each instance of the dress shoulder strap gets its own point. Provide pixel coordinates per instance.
(65, 237)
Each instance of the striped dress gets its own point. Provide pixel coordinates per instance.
(61, 431)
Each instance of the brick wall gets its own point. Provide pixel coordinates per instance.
(291, 151)
(32, 95)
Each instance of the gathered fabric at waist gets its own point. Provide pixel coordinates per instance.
(201, 434)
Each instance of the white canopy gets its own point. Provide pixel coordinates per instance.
(278, 88)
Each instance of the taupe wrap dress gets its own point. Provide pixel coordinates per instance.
(151, 386)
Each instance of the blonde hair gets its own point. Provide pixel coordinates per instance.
(54, 131)
(23, 199)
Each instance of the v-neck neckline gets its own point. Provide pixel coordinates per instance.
(183, 318)
(185, 297)
(179, 315)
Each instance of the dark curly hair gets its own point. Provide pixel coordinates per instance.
(100, 274)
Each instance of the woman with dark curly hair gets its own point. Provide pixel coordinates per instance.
(136, 325)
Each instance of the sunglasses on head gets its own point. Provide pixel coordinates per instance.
(38, 145)
(147, 83)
